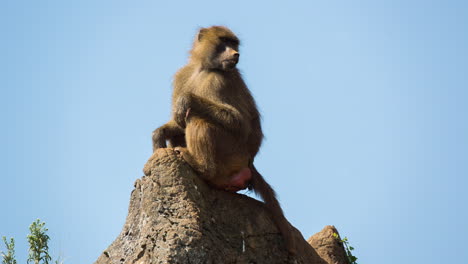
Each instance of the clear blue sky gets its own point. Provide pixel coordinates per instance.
(364, 109)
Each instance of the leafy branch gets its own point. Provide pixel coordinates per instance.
(351, 258)
(38, 246)
(38, 243)
(9, 256)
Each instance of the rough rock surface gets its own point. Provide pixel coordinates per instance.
(174, 217)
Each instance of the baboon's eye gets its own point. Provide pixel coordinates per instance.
(220, 48)
(229, 41)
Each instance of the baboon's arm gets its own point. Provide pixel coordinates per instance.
(168, 131)
(189, 105)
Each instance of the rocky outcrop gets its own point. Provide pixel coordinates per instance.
(327, 246)
(174, 217)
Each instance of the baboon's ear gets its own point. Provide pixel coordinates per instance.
(201, 33)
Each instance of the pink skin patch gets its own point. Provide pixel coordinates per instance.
(187, 115)
(239, 180)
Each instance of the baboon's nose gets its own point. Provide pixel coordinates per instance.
(236, 55)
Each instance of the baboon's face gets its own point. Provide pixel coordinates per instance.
(227, 54)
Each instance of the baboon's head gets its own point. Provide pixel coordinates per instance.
(216, 48)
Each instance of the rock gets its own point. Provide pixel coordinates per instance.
(175, 217)
(328, 247)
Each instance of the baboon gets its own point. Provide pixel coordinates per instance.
(215, 122)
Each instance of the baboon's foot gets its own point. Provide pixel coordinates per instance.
(183, 152)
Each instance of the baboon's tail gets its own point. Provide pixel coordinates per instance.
(262, 188)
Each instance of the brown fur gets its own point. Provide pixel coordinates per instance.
(216, 112)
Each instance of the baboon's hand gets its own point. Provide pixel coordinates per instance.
(159, 138)
(182, 110)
